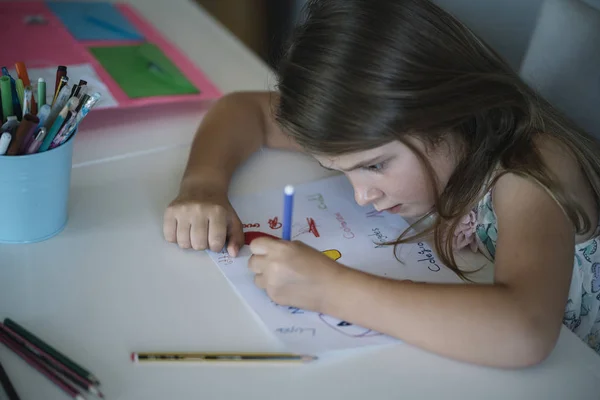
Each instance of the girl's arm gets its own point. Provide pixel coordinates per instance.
(513, 323)
(235, 127)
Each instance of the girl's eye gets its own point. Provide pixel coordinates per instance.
(376, 167)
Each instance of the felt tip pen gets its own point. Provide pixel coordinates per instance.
(37, 141)
(27, 100)
(5, 140)
(41, 88)
(24, 76)
(20, 91)
(288, 205)
(12, 89)
(44, 113)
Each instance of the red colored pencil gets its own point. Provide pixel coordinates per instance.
(40, 367)
(79, 381)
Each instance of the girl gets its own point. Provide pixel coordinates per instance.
(427, 122)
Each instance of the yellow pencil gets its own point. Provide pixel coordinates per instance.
(207, 357)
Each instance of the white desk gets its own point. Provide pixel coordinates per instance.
(109, 284)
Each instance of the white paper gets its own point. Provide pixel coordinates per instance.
(74, 73)
(341, 225)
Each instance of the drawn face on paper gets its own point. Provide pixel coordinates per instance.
(392, 178)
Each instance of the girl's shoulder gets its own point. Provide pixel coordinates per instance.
(480, 228)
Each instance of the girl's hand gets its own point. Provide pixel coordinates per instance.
(292, 273)
(201, 217)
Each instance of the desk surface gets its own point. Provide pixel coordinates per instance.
(109, 284)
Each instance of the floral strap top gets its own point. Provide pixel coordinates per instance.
(582, 312)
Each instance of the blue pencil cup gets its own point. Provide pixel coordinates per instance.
(34, 194)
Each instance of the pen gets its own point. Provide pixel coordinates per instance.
(7, 103)
(61, 101)
(37, 141)
(44, 113)
(62, 83)
(30, 124)
(25, 129)
(60, 72)
(41, 92)
(24, 76)
(11, 123)
(231, 357)
(81, 84)
(5, 139)
(66, 126)
(88, 103)
(20, 90)
(58, 122)
(14, 97)
(74, 89)
(28, 101)
(288, 204)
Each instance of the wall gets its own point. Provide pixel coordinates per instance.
(246, 19)
(507, 25)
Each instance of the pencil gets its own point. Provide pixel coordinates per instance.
(40, 367)
(210, 357)
(79, 370)
(7, 385)
(64, 80)
(51, 361)
(288, 205)
(60, 72)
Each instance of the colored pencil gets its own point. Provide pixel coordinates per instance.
(219, 357)
(51, 361)
(79, 370)
(288, 205)
(7, 385)
(40, 367)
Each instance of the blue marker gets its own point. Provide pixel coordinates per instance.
(288, 205)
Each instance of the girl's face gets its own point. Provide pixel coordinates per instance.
(392, 178)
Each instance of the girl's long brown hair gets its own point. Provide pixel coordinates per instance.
(361, 73)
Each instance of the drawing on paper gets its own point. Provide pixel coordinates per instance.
(251, 235)
(274, 223)
(311, 227)
(333, 254)
(346, 328)
(326, 218)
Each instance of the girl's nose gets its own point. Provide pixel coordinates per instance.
(365, 195)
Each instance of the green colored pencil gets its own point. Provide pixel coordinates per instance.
(67, 362)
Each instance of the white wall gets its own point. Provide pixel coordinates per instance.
(507, 25)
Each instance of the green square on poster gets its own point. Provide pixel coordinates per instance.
(143, 70)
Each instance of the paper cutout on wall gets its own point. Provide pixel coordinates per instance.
(32, 34)
(94, 21)
(143, 71)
